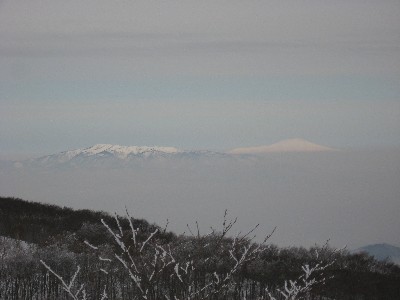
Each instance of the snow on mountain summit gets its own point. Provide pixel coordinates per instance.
(108, 153)
(109, 150)
(124, 151)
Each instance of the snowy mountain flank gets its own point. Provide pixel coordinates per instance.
(290, 145)
(117, 155)
(118, 151)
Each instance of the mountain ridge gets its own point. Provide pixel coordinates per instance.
(121, 154)
(118, 150)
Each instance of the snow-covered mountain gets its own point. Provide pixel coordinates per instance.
(117, 151)
(290, 145)
(116, 155)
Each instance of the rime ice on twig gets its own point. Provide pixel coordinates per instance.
(148, 261)
(302, 286)
(69, 288)
(90, 245)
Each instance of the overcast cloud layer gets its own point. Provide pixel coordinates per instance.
(208, 74)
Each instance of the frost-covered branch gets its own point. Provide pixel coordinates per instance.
(301, 287)
(187, 268)
(76, 293)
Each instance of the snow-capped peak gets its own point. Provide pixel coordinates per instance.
(123, 151)
(116, 150)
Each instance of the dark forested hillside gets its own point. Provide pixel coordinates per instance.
(223, 266)
(37, 222)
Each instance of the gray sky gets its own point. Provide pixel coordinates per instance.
(211, 75)
(198, 74)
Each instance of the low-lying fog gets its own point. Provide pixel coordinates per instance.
(351, 198)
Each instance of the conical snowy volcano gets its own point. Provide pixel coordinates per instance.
(290, 145)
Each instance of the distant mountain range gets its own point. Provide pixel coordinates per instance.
(382, 251)
(116, 153)
(110, 151)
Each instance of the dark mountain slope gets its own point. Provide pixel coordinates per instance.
(37, 222)
(59, 235)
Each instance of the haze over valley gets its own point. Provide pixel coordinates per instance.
(310, 195)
